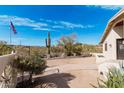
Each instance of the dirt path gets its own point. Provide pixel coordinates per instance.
(73, 72)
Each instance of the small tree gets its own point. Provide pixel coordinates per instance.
(33, 64)
(20, 64)
(36, 65)
(67, 42)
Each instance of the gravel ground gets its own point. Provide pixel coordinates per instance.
(69, 73)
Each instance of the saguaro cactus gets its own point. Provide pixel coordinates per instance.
(48, 42)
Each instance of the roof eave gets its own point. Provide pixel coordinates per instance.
(109, 25)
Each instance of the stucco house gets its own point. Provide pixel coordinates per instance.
(112, 42)
(113, 37)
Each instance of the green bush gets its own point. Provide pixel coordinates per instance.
(33, 64)
(77, 49)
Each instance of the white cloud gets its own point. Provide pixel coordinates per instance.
(108, 7)
(40, 28)
(73, 25)
(111, 7)
(43, 24)
(48, 21)
(65, 24)
(57, 26)
(20, 21)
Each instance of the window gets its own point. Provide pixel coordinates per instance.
(105, 46)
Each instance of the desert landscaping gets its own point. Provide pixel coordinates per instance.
(62, 53)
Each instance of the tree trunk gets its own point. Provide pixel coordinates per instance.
(30, 78)
(22, 76)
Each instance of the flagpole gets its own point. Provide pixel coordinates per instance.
(10, 36)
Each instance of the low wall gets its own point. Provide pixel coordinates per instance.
(4, 60)
(100, 58)
(105, 64)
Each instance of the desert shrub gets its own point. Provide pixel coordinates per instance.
(41, 51)
(69, 49)
(115, 79)
(33, 64)
(4, 48)
(27, 50)
(37, 63)
(56, 51)
(91, 48)
(77, 49)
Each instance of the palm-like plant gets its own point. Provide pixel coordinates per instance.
(115, 79)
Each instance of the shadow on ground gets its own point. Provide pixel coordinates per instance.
(58, 80)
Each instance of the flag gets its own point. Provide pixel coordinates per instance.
(13, 28)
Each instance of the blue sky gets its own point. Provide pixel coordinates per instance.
(33, 22)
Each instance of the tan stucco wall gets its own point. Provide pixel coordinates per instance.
(114, 34)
